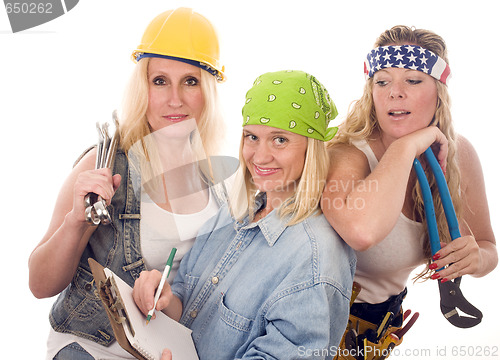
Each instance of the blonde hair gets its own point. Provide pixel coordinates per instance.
(135, 128)
(361, 121)
(304, 202)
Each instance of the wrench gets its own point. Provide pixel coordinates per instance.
(96, 211)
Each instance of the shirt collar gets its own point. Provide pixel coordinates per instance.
(271, 226)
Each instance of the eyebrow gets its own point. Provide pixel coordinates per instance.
(186, 75)
(385, 71)
(282, 132)
(274, 132)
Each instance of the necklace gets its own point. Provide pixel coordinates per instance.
(260, 214)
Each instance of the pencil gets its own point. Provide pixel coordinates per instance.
(164, 277)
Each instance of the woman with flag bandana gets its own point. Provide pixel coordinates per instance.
(405, 108)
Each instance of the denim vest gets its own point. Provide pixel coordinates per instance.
(78, 310)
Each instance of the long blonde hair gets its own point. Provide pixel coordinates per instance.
(304, 202)
(361, 122)
(135, 128)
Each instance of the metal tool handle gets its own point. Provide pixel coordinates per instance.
(96, 211)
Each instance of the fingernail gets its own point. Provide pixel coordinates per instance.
(433, 266)
(436, 256)
(435, 276)
(444, 280)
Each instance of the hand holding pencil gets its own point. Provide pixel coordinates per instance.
(153, 282)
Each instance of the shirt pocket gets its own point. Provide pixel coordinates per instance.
(233, 319)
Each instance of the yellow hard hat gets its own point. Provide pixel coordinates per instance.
(184, 35)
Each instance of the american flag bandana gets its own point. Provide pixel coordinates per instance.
(407, 57)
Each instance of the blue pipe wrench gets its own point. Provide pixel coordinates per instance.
(451, 295)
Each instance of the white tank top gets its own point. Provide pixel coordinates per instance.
(162, 230)
(384, 269)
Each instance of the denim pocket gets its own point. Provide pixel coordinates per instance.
(233, 319)
(80, 300)
(78, 310)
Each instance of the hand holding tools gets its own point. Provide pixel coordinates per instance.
(96, 211)
(451, 296)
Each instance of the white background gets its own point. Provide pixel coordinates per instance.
(58, 79)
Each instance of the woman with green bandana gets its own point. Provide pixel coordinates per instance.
(272, 279)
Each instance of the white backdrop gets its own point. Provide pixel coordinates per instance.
(59, 78)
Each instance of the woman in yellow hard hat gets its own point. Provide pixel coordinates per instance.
(159, 192)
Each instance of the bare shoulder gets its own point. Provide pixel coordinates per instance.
(467, 155)
(465, 149)
(468, 161)
(345, 158)
(86, 161)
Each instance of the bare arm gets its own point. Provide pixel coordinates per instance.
(53, 262)
(364, 206)
(475, 252)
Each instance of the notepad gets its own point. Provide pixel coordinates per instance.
(129, 324)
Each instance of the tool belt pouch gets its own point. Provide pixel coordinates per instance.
(355, 347)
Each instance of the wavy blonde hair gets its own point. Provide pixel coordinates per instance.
(304, 202)
(361, 121)
(135, 128)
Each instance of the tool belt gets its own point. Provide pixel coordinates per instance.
(368, 340)
(355, 344)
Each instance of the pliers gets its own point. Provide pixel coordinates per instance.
(451, 295)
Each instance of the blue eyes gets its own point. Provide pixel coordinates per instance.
(409, 81)
(277, 140)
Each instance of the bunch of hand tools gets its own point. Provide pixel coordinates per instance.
(96, 211)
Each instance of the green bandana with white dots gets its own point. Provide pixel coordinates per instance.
(291, 100)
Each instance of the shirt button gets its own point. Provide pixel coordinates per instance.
(215, 280)
(193, 313)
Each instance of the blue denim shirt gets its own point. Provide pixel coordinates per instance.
(264, 290)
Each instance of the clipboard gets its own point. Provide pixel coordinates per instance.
(145, 342)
